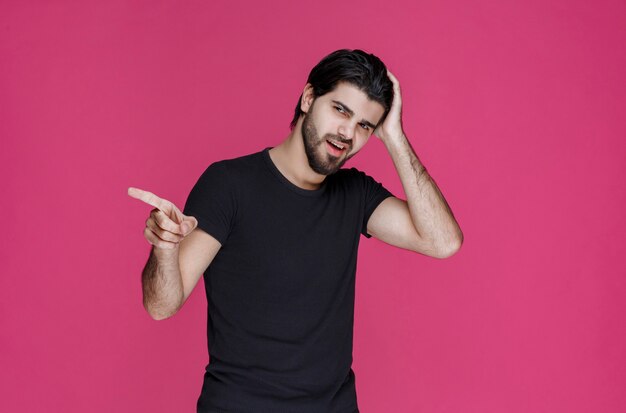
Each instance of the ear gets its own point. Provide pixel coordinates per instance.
(307, 98)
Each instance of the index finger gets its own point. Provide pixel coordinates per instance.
(149, 198)
(392, 77)
(394, 80)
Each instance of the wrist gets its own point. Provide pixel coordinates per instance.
(165, 255)
(394, 140)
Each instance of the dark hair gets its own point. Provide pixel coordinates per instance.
(363, 70)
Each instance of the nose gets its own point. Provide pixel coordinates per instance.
(346, 130)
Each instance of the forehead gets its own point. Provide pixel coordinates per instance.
(357, 101)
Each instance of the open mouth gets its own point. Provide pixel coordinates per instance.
(336, 148)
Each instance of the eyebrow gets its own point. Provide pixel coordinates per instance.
(351, 112)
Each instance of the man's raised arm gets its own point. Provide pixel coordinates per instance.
(180, 254)
(424, 223)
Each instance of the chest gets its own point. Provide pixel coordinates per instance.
(284, 244)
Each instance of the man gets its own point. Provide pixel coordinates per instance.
(276, 235)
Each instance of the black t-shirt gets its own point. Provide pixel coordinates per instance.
(280, 290)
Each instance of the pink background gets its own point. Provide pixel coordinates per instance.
(516, 108)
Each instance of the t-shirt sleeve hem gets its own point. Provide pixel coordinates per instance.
(368, 213)
(207, 227)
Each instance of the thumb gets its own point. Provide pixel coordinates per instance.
(377, 131)
(188, 225)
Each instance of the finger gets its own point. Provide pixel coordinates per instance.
(188, 225)
(161, 233)
(176, 215)
(149, 198)
(164, 222)
(158, 242)
(377, 131)
(393, 78)
(397, 95)
(395, 82)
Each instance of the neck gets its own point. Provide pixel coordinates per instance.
(290, 159)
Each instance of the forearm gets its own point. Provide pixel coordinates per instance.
(430, 213)
(162, 283)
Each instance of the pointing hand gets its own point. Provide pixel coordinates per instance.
(166, 226)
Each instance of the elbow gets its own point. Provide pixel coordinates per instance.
(160, 316)
(450, 248)
(159, 312)
(162, 307)
(454, 247)
(447, 253)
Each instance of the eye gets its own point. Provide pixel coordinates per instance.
(340, 109)
(364, 126)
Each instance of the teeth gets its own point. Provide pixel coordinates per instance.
(336, 145)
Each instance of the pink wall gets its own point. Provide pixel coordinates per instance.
(516, 108)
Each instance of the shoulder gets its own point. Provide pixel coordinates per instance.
(353, 176)
(239, 162)
(241, 167)
(356, 181)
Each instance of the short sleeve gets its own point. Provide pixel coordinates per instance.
(374, 193)
(212, 202)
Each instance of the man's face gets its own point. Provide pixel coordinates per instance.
(344, 117)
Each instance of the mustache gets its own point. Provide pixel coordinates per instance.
(338, 139)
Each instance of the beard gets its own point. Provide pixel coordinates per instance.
(321, 161)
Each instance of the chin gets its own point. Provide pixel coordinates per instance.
(329, 167)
